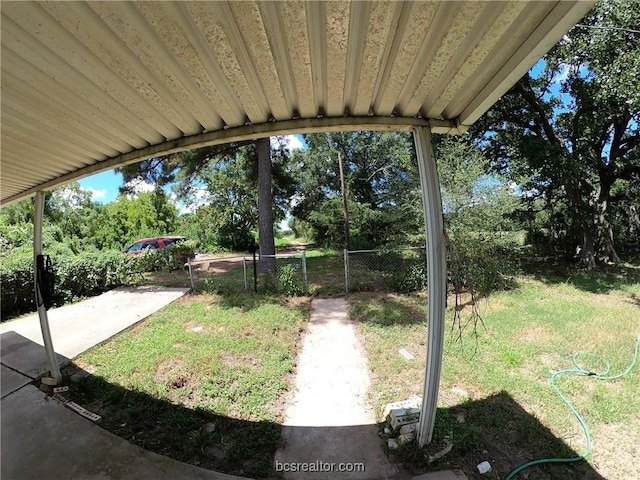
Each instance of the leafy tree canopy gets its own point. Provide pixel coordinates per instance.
(569, 134)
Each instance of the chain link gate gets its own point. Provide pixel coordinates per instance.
(400, 270)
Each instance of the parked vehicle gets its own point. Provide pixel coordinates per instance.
(153, 243)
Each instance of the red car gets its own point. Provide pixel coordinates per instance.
(152, 243)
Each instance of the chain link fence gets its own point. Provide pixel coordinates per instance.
(216, 273)
(400, 270)
(286, 273)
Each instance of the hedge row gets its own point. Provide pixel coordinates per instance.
(75, 277)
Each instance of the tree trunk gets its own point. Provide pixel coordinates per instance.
(588, 251)
(345, 208)
(606, 251)
(265, 207)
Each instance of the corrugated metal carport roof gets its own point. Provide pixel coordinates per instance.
(87, 86)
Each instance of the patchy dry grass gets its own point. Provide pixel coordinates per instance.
(495, 397)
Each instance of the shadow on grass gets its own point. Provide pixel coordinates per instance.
(386, 310)
(601, 280)
(494, 429)
(197, 436)
(191, 435)
(498, 430)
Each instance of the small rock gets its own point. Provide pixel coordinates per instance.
(406, 438)
(407, 429)
(387, 430)
(209, 428)
(199, 328)
(459, 414)
(46, 389)
(447, 448)
(484, 467)
(392, 443)
(215, 452)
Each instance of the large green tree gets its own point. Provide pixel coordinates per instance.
(381, 181)
(569, 132)
(132, 216)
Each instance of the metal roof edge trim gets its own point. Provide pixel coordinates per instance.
(287, 127)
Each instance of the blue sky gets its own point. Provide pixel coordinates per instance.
(104, 186)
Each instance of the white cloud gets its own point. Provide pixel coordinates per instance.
(291, 142)
(97, 194)
(69, 197)
(138, 185)
(295, 143)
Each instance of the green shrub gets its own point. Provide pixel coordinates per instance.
(480, 264)
(412, 278)
(156, 260)
(93, 273)
(289, 281)
(166, 259)
(75, 277)
(16, 279)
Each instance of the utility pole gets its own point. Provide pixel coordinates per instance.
(345, 209)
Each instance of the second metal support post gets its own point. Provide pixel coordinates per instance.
(436, 278)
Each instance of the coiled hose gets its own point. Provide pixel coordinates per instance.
(578, 370)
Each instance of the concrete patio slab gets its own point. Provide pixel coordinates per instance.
(11, 381)
(43, 439)
(24, 355)
(329, 423)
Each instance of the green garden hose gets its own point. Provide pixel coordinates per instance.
(578, 370)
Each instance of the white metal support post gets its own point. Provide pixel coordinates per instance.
(42, 311)
(436, 278)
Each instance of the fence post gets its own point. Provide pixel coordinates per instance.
(255, 272)
(304, 270)
(346, 270)
(244, 270)
(190, 273)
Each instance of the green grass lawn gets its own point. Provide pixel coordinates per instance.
(511, 413)
(203, 380)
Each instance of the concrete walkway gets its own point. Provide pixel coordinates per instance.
(329, 422)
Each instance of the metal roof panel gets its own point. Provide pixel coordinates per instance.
(87, 86)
